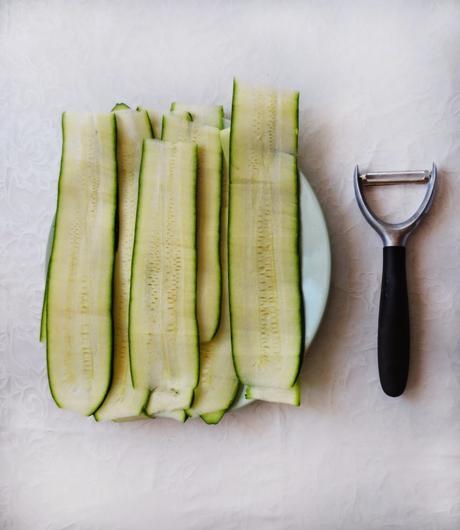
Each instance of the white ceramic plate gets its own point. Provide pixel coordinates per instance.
(316, 265)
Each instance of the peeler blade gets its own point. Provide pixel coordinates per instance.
(385, 178)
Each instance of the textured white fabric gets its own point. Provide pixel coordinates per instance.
(380, 85)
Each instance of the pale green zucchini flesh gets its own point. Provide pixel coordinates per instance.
(117, 106)
(79, 294)
(218, 382)
(123, 400)
(264, 227)
(168, 399)
(178, 415)
(163, 330)
(290, 396)
(212, 115)
(177, 127)
(131, 418)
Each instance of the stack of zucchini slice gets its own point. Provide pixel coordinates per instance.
(174, 275)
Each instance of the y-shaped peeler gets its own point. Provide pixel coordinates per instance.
(394, 325)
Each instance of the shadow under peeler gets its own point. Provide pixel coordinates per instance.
(394, 324)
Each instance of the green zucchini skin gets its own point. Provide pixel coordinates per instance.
(213, 418)
(45, 292)
(79, 353)
(163, 356)
(120, 106)
(156, 121)
(44, 311)
(264, 180)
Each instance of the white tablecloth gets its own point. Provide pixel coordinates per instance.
(380, 86)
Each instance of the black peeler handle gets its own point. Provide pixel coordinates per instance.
(394, 325)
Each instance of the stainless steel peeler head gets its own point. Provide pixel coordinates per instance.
(395, 234)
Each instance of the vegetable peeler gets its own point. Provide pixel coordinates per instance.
(394, 324)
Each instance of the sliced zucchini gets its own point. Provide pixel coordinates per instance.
(212, 418)
(123, 400)
(264, 226)
(290, 396)
(141, 417)
(212, 115)
(79, 296)
(155, 121)
(163, 329)
(120, 106)
(117, 106)
(178, 415)
(178, 127)
(218, 381)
